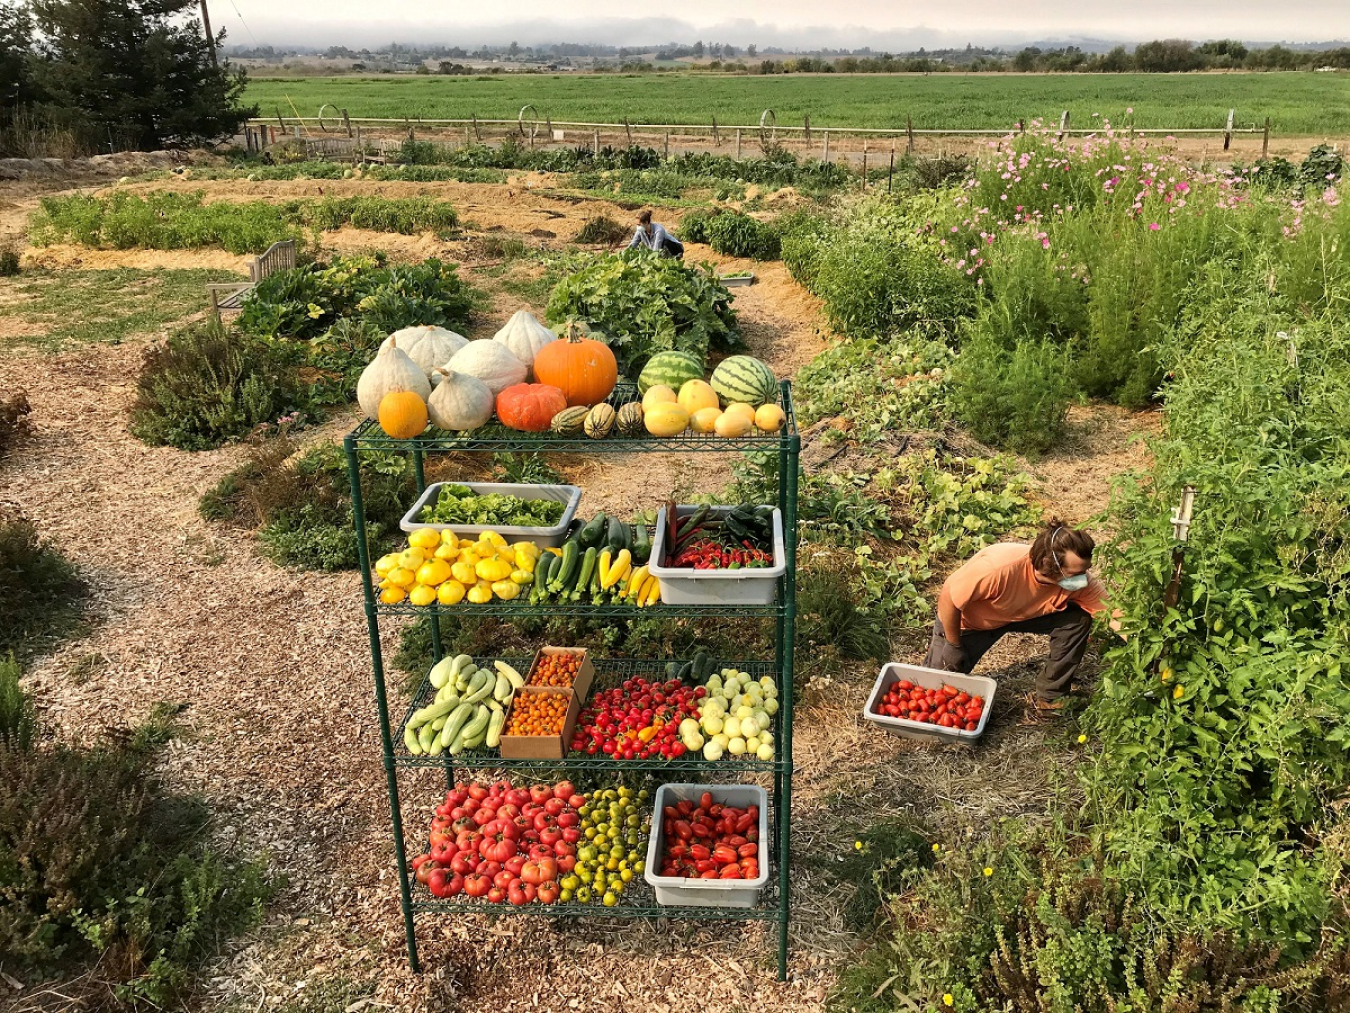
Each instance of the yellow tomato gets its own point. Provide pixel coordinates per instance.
(480, 593)
(433, 572)
(401, 576)
(422, 595)
(393, 595)
(450, 593)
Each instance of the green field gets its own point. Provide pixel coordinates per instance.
(1298, 104)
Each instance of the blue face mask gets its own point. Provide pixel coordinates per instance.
(1074, 583)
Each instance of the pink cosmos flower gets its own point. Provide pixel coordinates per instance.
(1153, 226)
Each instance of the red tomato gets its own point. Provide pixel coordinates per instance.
(564, 790)
(503, 880)
(476, 885)
(548, 892)
(496, 895)
(538, 871)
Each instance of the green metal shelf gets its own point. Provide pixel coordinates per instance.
(581, 610)
(496, 437)
(638, 901)
(609, 672)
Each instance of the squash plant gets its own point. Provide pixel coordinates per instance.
(646, 303)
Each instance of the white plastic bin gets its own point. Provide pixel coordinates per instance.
(674, 891)
(569, 495)
(683, 586)
(929, 678)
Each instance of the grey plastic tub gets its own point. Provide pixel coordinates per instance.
(929, 678)
(570, 495)
(684, 586)
(675, 891)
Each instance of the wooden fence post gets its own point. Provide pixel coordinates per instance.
(667, 145)
(738, 143)
(890, 176)
(806, 122)
(595, 143)
(347, 122)
(864, 186)
(1228, 130)
(280, 122)
(476, 135)
(359, 146)
(826, 156)
(628, 130)
(717, 140)
(1265, 139)
(909, 130)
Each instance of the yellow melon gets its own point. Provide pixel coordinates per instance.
(741, 408)
(665, 418)
(695, 395)
(733, 424)
(769, 418)
(660, 394)
(704, 420)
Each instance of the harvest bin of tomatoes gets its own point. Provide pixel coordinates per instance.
(535, 844)
(709, 845)
(924, 703)
(718, 555)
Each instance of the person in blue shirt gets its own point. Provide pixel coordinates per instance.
(652, 235)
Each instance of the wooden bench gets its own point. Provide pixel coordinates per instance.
(231, 295)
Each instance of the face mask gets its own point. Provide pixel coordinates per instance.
(1075, 583)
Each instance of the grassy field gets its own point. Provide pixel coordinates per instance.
(1311, 105)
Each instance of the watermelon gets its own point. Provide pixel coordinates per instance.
(671, 369)
(744, 378)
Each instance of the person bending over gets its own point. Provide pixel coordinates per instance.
(652, 235)
(1012, 587)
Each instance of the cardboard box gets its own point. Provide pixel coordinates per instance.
(551, 747)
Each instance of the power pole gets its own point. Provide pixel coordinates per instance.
(210, 39)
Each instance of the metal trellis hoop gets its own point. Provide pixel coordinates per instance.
(533, 122)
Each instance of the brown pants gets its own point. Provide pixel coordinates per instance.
(1068, 631)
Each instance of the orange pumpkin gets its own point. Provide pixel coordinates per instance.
(582, 368)
(403, 414)
(530, 407)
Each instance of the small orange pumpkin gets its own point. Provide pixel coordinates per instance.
(529, 407)
(583, 368)
(403, 414)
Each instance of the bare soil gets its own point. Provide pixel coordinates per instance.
(274, 668)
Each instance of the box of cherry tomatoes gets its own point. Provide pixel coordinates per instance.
(544, 713)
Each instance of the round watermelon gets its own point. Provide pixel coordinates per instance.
(744, 378)
(670, 368)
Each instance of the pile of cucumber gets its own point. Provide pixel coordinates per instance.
(469, 709)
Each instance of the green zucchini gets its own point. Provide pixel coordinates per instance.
(642, 545)
(619, 536)
(560, 577)
(546, 563)
(591, 535)
(588, 567)
(703, 667)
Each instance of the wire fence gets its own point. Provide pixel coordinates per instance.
(334, 134)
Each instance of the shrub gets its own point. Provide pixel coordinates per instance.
(14, 424)
(1016, 400)
(39, 590)
(9, 262)
(18, 719)
(97, 858)
(877, 388)
(693, 227)
(879, 275)
(601, 231)
(204, 387)
(301, 507)
(646, 303)
(738, 235)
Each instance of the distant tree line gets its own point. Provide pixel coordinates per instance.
(83, 76)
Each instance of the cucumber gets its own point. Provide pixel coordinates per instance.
(410, 741)
(672, 670)
(703, 666)
(619, 536)
(494, 733)
(482, 685)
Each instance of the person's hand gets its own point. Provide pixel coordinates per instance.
(953, 657)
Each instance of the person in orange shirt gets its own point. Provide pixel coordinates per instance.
(1012, 587)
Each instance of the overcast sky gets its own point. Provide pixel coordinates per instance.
(877, 23)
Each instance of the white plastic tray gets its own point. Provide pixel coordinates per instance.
(543, 537)
(683, 586)
(929, 678)
(678, 892)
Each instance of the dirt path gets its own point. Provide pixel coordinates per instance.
(274, 668)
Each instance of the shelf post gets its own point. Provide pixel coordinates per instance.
(787, 484)
(377, 664)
